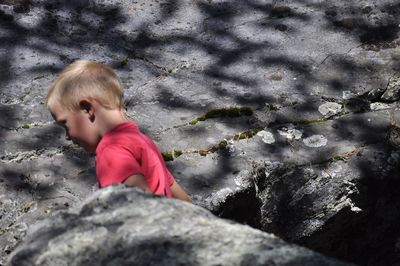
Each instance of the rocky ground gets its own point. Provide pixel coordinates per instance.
(283, 115)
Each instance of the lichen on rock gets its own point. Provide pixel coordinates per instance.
(290, 133)
(266, 137)
(242, 179)
(315, 141)
(329, 108)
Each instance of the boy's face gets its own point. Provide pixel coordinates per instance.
(79, 127)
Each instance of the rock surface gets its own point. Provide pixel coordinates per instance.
(121, 226)
(316, 161)
(392, 92)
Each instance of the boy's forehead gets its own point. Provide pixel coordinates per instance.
(58, 113)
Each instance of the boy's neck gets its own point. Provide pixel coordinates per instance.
(108, 119)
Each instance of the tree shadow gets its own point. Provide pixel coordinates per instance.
(232, 62)
(373, 33)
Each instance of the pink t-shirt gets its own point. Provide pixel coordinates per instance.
(125, 151)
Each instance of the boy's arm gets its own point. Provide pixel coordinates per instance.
(179, 193)
(138, 181)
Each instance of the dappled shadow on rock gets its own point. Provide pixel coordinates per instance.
(376, 25)
(233, 53)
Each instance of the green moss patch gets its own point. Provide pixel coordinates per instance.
(272, 107)
(38, 77)
(202, 152)
(224, 112)
(338, 158)
(222, 145)
(124, 61)
(27, 207)
(229, 112)
(193, 122)
(312, 121)
(177, 153)
(171, 155)
(167, 156)
(246, 134)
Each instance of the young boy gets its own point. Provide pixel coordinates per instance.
(86, 99)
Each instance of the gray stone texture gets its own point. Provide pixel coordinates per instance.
(121, 226)
(327, 70)
(392, 92)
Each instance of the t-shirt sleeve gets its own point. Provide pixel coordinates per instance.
(170, 178)
(154, 160)
(115, 164)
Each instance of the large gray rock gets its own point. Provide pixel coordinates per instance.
(122, 226)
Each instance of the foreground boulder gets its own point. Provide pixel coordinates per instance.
(121, 226)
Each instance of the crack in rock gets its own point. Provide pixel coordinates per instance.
(34, 154)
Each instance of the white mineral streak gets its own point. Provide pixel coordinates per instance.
(336, 167)
(231, 147)
(266, 136)
(333, 169)
(347, 95)
(355, 208)
(315, 141)
(21, 227)
(271, 167)
(290, 134)
(329, 108)
(379, 106)
(215, 199)
(242, 179)
(344, 202)
(310, 226)
(210, 140)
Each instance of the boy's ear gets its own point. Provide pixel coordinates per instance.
(87, 107)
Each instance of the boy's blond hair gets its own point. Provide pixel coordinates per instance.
(85, 79)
